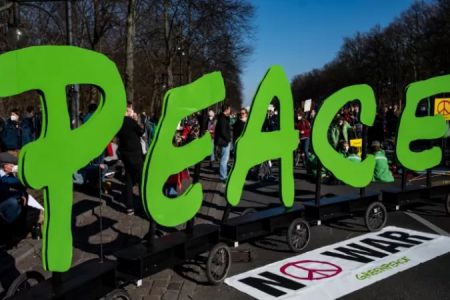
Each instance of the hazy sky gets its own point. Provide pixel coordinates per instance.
(302, 35)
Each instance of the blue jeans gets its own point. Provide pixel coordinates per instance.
(213, 151)
(224, 156)
(304, 144)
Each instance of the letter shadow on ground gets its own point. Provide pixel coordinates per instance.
(83, 235)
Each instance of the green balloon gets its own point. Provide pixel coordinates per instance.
(164, 159)
(49, 162)
(414, 128)
(255, 147)
(357, 174)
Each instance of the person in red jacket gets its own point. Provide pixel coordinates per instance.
(304, 128)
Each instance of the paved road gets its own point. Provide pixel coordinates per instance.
(429, 280)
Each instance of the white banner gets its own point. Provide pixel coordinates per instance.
(339, 269)
(307, 106)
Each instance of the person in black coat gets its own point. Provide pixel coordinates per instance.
(222, 140)
(130, 150)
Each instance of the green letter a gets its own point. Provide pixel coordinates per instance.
(255, 147)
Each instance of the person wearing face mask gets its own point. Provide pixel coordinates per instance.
(11, 134)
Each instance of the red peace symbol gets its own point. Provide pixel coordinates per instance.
(310, 270)
(444, 107)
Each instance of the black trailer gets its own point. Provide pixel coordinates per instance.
(252, 224)
(404, 196)
(153, 255)
(156, 254)
(90, 280)
(365, 203)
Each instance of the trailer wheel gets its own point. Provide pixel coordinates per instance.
(218, 263)
(118, 294)
(375, 216)
(298, 235)
(24, 282)
(447, 204)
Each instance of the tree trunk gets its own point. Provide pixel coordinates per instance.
(129, 67)
(168, 44)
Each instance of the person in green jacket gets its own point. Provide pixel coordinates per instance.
(339, 131)
(382, 172)
(352, 155)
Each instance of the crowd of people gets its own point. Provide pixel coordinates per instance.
(130, 145)
(347, 129)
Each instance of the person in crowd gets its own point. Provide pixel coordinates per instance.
(92, 107)
(150, 128)
(271, 123)
(239, 125)
(131, 154)
(391, 122)
(174, 183)
(211, 127)
(343, 148)
(339, 131)
(28, 126)
(12, 135)
(222, 140)
(311, 115)
(353, 154)
(12, 194)
(382, 172)
(304, 128)
(16, 217)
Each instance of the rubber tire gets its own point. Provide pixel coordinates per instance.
(372, 206)
(21, 279)
(118, 294)
(248, 211)
(209, 263)
(290, 234)
(447, 204)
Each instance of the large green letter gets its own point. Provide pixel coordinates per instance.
(50, 161)
(164, 159)
(352, 173)
(422, 128)
(255, 147)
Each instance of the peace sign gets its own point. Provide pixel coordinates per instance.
(310, 270)
(444, 107)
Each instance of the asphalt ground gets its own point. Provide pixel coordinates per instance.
(429, 280)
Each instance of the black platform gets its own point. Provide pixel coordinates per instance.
(142, 260)
(395, 197)
(89, 280)
(331, 207)
(260, 223)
